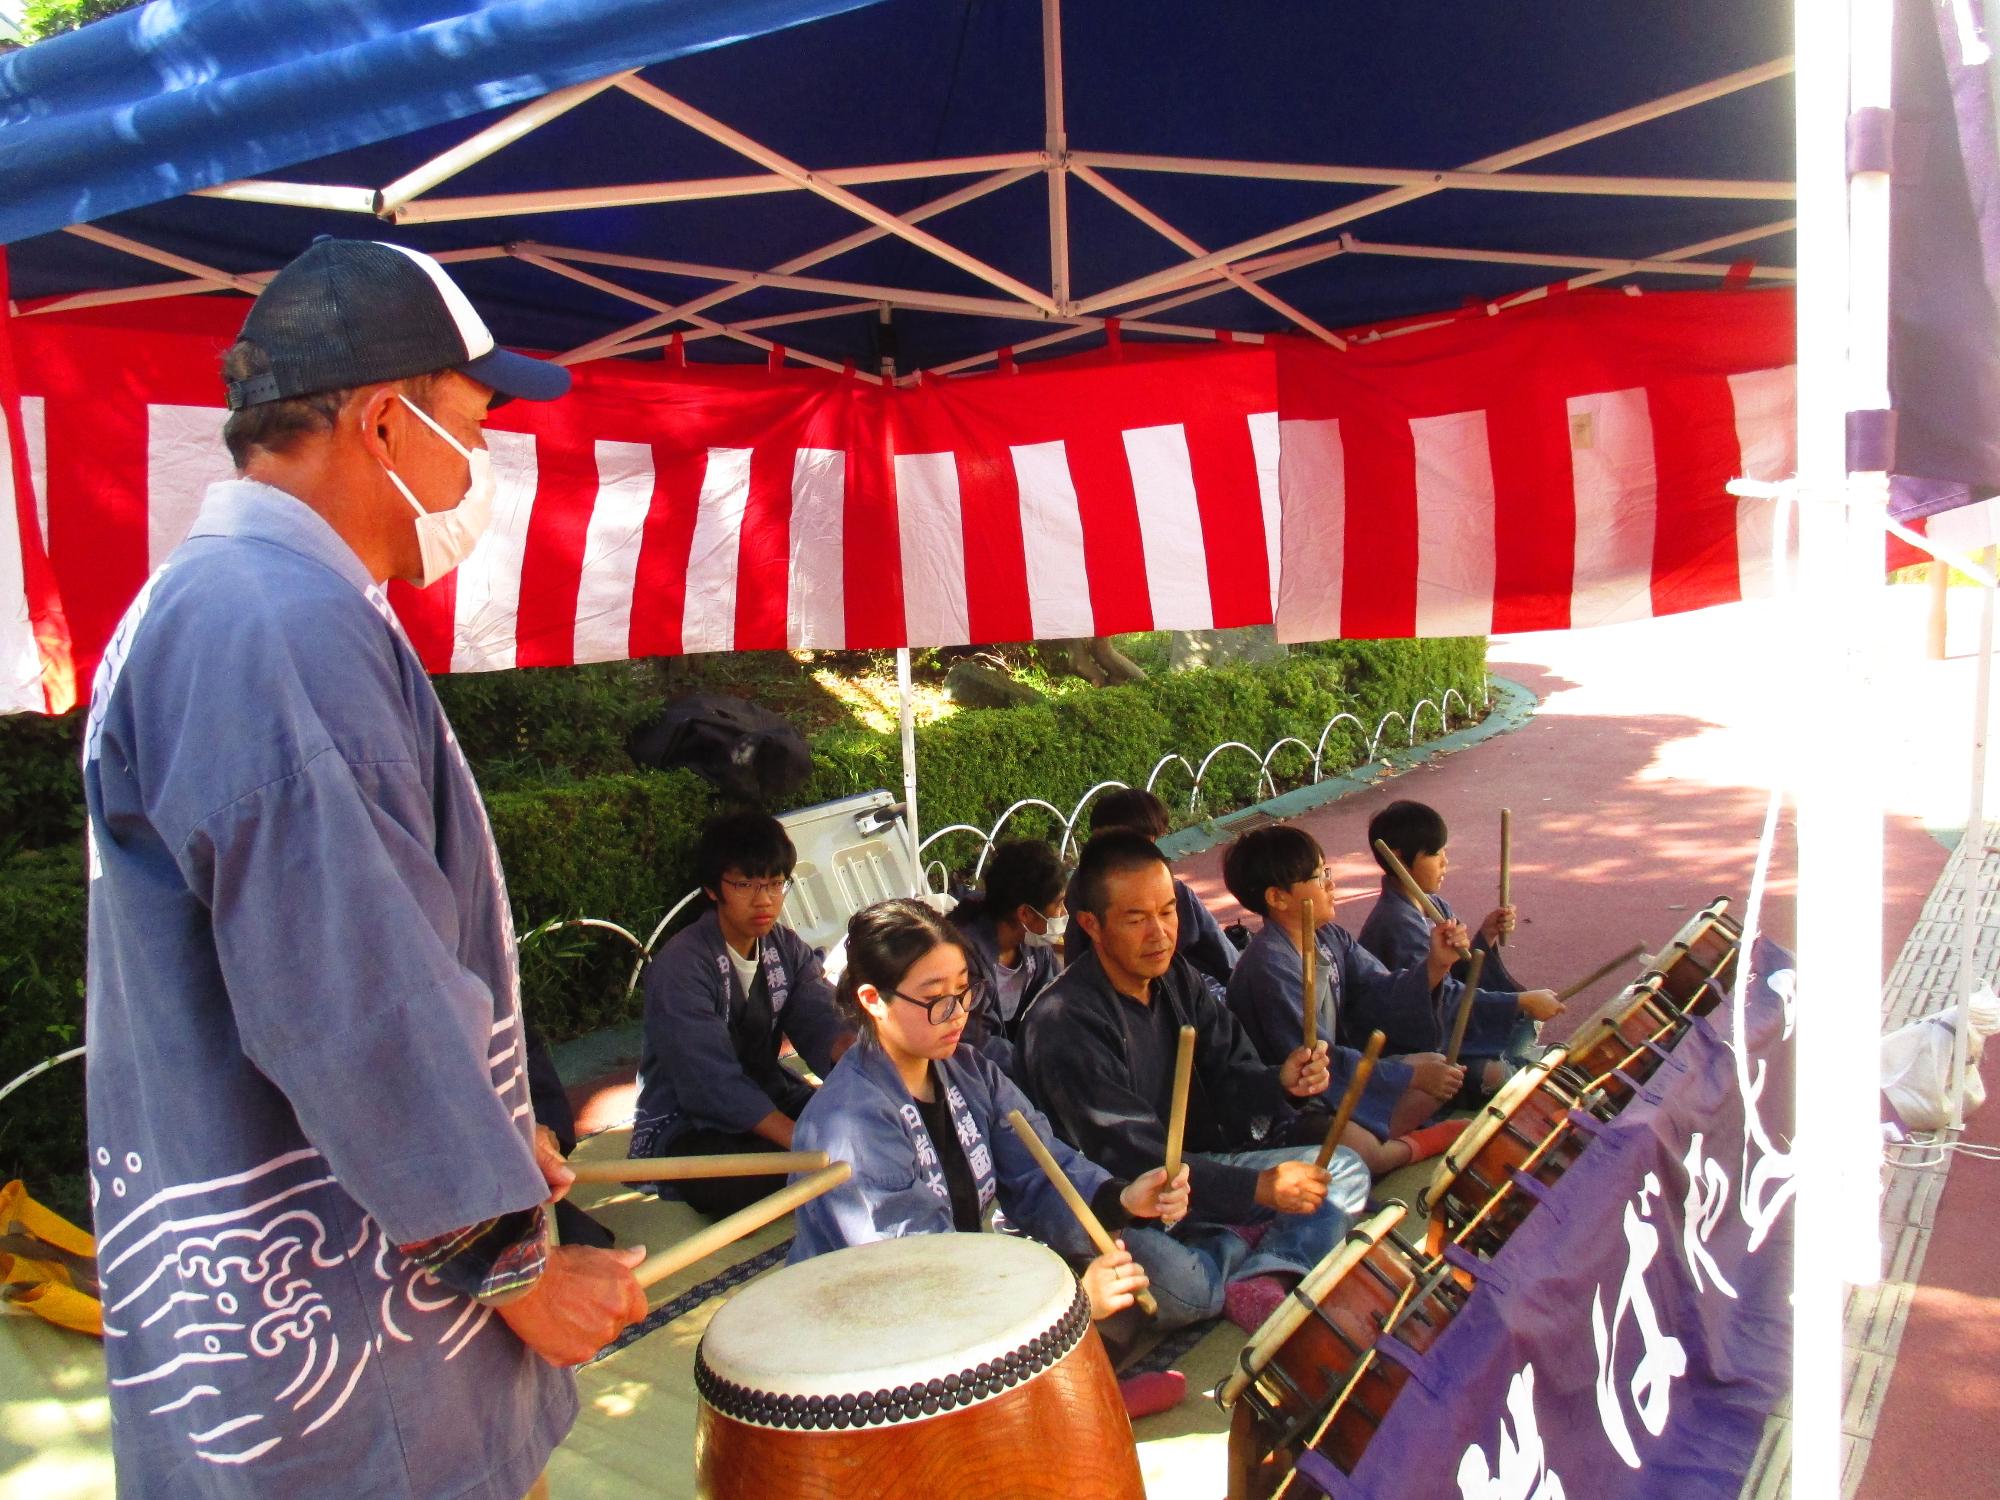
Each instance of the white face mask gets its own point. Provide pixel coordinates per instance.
(1051, 934)
(445, 538)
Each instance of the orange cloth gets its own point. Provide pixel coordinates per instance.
(47, 1265)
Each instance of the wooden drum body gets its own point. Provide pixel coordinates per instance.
(1621, 1046)
(1703, 950)
(1511, 1153)
(936, 1366)
(1314, 1377)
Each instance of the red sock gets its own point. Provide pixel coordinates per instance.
(1433, 1140)
(1152, 1393)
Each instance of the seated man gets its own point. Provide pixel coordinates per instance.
(1012, 932)
(719, 999)
(1201, 941)
(1098, 1057)
(1281, 874)
(1501, 1032)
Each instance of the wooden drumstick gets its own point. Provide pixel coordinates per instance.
(1415, 892)
(1598, 973)
(1465, 999)
(727, 1231)
(1506, 865)
(1309, 959)
(686, 1168)
(1177, 1116)
(1356, 1087)
(1060, 1181)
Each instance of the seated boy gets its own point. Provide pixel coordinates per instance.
(719, 999)
(1500, 1034)
(1201, 941)
(1280, 874)
(1012, 932)
(1097, 1054)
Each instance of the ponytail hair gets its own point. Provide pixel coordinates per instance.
(884, 942)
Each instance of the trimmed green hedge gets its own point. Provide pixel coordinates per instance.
(576, 841)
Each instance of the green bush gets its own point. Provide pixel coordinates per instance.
(581, 834)
(41, 786)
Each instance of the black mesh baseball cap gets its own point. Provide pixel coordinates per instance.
(354, 312)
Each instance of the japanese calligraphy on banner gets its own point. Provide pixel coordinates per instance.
(1633, 1335)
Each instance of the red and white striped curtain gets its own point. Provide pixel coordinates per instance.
(1562, 464)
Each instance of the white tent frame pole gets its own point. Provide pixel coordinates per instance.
(1081, 326)
(678, 109)
(339, 199)
(617, 342)
(1972, 860)
(612, 288)
(988, 307)
(165, 258)
(1613, 265)
(1205, 266)
(697, 189)
(749, 325)
(1512, 182)
(1055, 140)
(1167, 231)
(906, 713)
(1839, 853)
(1685, 252)
(495, 137)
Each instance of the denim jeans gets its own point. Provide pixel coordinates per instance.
(1189, 1267)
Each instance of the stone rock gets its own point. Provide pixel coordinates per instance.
(978, 684)
(1220, 648)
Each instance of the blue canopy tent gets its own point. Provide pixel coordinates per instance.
(915, 185)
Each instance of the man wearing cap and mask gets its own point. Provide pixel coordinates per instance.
(320, 1205)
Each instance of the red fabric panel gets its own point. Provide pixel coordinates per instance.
(552, 566)
(1534, 519)
(1695, 449)
(659, 593)
(763, 558)
(1379, 584)
(1232, 519)
(60, 689)
(1113, 554)
(426, 616)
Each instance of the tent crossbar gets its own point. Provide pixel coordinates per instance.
(705, 124)
(750, 325)
(1684, 252)
(1081, 326)
(612, 288)
(697, 189)
(992, 307)
(250, 282)
(1615, 264)
(495, 137)
(1491, 182)
(1205, 267)
(1160, 226)
(327, 196)
(165, 258)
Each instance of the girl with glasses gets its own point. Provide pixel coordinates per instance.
(923, 1121)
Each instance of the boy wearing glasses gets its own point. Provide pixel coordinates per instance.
(719, 999)
(1281, 874)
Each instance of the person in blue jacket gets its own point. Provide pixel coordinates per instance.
(1281, 874)
(1201, 942)
(719, 1000)
(922, 1119)
(1012, 933)
(1501, 1033)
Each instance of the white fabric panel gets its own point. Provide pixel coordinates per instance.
(611, 552)
(932, 527)
(1455, 525)
(184, 456)
(489, 581)
(1968, 528)
(1264, 452)
(1617, 498)
(1170, 527)
(817, 614)
(708, 616)
(20, 661)
(1766, 403)
(34, 425)
(1312, 477)
(1052, 533)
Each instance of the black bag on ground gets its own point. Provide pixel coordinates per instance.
(742, 750)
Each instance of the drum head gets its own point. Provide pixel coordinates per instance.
(897, 1313)
(1607, 1016)
(1487, 1124)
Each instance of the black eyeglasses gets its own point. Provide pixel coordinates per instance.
(944, 1009)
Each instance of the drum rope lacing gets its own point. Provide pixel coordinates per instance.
(905, 1402)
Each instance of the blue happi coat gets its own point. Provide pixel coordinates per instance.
(1267, 994)
(1398, 934)
(989, 1028)
(864, 1115)
(698, 1067)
